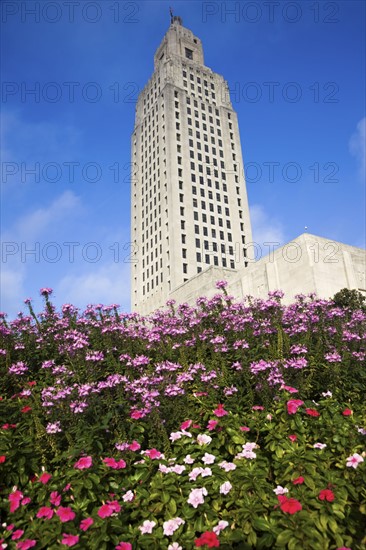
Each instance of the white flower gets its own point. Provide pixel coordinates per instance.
(196, 497)
(203, 439)
(227, 466)
(208, 459)
(319, 445)
(327, 394)
(128, 497)
(193, 475)
(280, 490)
(206, 472)
(354, 460)
(147, 526)
(178, 469)
(174, 436)
(188, 459)
(165, 469)
(225, 488)
(172, 525)
(174, 546)
(220, 526)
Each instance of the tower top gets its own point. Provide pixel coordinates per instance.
(175, 18)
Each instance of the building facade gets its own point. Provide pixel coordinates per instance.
(188, 195)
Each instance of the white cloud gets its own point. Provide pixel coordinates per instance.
(108, 284)
(357, 145)
(265, 228)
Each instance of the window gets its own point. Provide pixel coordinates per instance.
(185, 268)
(198, 243)
(198, 257)
(189, 54)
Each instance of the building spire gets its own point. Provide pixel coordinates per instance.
(171, 15)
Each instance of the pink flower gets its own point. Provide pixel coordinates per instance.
(128, 497)
(298, 481)
(280, 490)
(220, 411)
(65, 514)
(17, 534)
(186, 424)
(45, 512)
(312, 412)
(83, 463)
(292, 438)
(55, 498)
(124, 546)
(354, 460)
(170, 526)
(136, 415)
(113, 463)
(108, 509)
(44, 478)
(293, 405)
(14, 498)
(244, 429)
(25, 544)
(153, 454)
(70, 540)
(258, 408)
(289, 389)
(134, 446)
(203, 439)
(326, 494)
(347, 412)
(212, 424)
(86, 523)
(25, 501)
(2, 459)
(220, 526)
(147, 527)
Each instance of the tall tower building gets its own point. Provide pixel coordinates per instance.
(189, 201)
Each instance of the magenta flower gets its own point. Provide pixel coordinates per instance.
(45, 512)
(14, 498)
(186, 424)
(26, 544)
(212, 424)
(153, 454)
(108, 509)
(55, 498)
(289, 389)
(69, 540)
(65, 514)
(17, 534)
(124, 546)
(83, 463)
(44, 478)
(134, 446)
(113, 463)
(293, 405)
(86, 523)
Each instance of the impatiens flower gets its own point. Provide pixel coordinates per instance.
(83, 463)
(208, 459)
(258, 408)
(298, 480)
(280, 490)
(147, 527)
(172, 525)
(289, 389)
(136, 415)
(2, 459)
(244, 429)
(25, 501)
(347, 412)
(188, 459)
(203, 439)
(14, 498)
(55, 498)
(212, 424)
(289, 505)
(319, 445)
(178, 469)
(327, 394)
(65, 514)
(354, 460)
(225, 488)
(293, 405)
(227, 466)
(69, 540)
(108, 509)
(312, 412)
(174, 546)
(44, 478)
(17, 534)
(113, 463)
(326, 494)
(153, 454)
(220, 526)
(128, 497)
(220, 411)
(292, 438)
(186, 424)
(45, 512)
(209, 538)
(26, 544)
(174, 436)
(134, 446)
(26, 409)
(86, 523)
(196, 497)
(124, 546)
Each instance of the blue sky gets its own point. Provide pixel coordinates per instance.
(296, 70)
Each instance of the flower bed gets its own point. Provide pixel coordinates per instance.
(231, 425)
